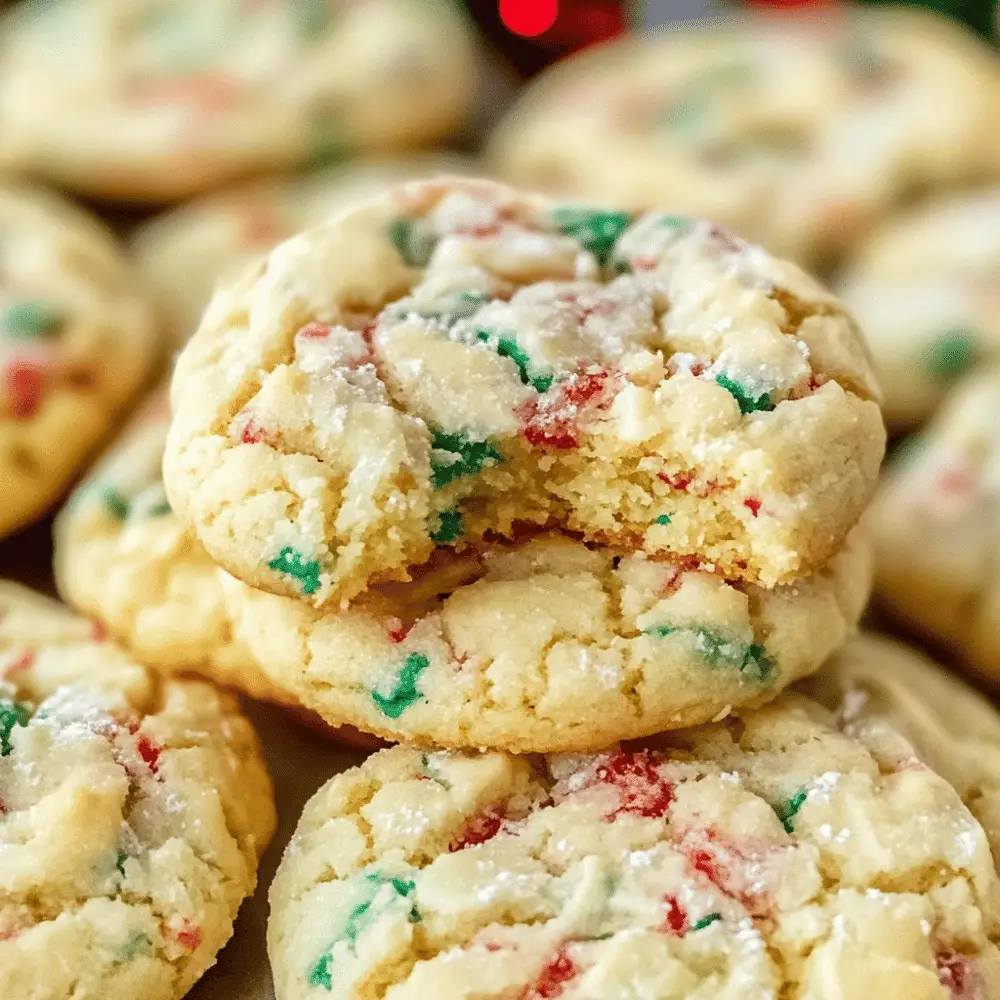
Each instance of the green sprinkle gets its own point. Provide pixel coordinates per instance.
(906, 451)
(461, 306)
(291, 563)
(30, 320)
(320, 974)
(471, 457)
(136, 943)
(663, 519)
(414, 241)
(507, 347)
(707, 921)
(11, 714)
(159, 509)
(120, 861)
(681, 224)
(404, 692)
(449, 527)
(328, 142)
(430, 771)
(312, 17)
(719, 651)
(114, 503)
(787, 810)
(595, 230)
(747, 403)
(951, 354)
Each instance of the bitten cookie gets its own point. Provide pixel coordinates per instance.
(76, 342)
(132, 816)
(549, 646)
(452, 358)
(766, 856)
(935, 525)
(905, 708)
(926, 291)
(184, 253)
(798, 133)
(161, 99)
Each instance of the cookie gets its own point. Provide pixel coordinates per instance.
(926, 291)
(798, 133)
(453, 358)
(768, 855)
(134, 811)
(77, 340)
(547, 645)
(161, 99)
(183, 253)
(935, 525)
(906, 708)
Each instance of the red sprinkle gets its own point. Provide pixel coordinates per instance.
(552, 420)
(753, 505)
(725, 866)
(253, 433)
(188, 936)
(23, 662)
(680, 482)
(960, 976)
(558, 971)
(480, 828)
(641, 789)
(24, 386)
(398, 631)
(148, 751)
(314, 331)
(98, 633)
(675, 922)
(956, 480)
(493, 946)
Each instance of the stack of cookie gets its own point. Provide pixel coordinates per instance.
(485, 474)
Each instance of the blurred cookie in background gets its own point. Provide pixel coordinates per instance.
(77, 340)
(184, 252)
(926, 291)
(797, 132)
(155, 100)
(935, 524)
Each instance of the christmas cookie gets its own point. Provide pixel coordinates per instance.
(906, 708)
(76, 342)
(548, 645)
(769, 855)
(161, 99)
(453, 358)
(796, 132)
(183, 253)
(132, 815)
(935, 524)
(926, 290)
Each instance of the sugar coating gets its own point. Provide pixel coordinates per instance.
(663, 873)
(132, 816)
(185, 252)
(161, 99)
(453, 358)
(547, 645)
(935, 525)
(799, 133)
(906, 708)
(76, 341)
(924, 288)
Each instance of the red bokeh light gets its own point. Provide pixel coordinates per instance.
(529, 17)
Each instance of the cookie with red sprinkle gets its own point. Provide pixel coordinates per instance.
(133, 813)
(77, 340)
(664, 872)
(492, 359)
(548, 645)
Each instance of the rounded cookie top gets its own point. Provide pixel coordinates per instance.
(160, 99)
(184, 253)
(76, 342)
(796, 132)
(547, 645)
(132, 816)
(926, 290)
(905, 707)
(935, 526)
(769, 855)
(454, 357)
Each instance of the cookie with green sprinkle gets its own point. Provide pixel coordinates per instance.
(133, 814)
(453, 360)
(548, 645)
(663, 872)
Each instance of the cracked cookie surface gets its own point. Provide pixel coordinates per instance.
(132, 815)
(161, 99)
(548, 645)
(769, 856)
(77, 340)
(454, 358)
